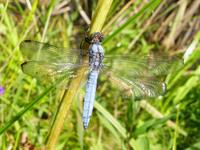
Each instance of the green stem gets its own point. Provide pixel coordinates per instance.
(97, 23)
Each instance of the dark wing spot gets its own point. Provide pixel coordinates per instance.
(22, 65)
(27, 40)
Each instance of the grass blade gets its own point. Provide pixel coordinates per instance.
(149, 7)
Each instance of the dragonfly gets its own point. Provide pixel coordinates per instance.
(138, 74)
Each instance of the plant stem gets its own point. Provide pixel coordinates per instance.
(97, 23)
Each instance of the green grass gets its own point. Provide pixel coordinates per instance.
(28, 108)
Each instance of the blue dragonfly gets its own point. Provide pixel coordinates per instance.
(140, 75)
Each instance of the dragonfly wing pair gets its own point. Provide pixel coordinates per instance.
(139, 75)
(142, 74)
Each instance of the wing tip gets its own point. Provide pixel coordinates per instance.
(22, 65)
(21, 46)
(27, 40)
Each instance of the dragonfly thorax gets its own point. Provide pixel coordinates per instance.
(96, 55)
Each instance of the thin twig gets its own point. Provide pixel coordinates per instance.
(83, 13)
(170, 39)
(60, 9)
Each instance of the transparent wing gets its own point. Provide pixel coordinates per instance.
(36, 51)
(139, 65)
(47, 73)
(139, 87)
(48, 63)
(141, 76)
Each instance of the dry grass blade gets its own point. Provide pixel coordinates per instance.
(156, 114)
(83, 13)
(175, 20)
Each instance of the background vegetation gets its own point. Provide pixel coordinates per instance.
(169, 27)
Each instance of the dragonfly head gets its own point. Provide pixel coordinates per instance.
(96, 37)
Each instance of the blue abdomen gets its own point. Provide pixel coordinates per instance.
(89, 97)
